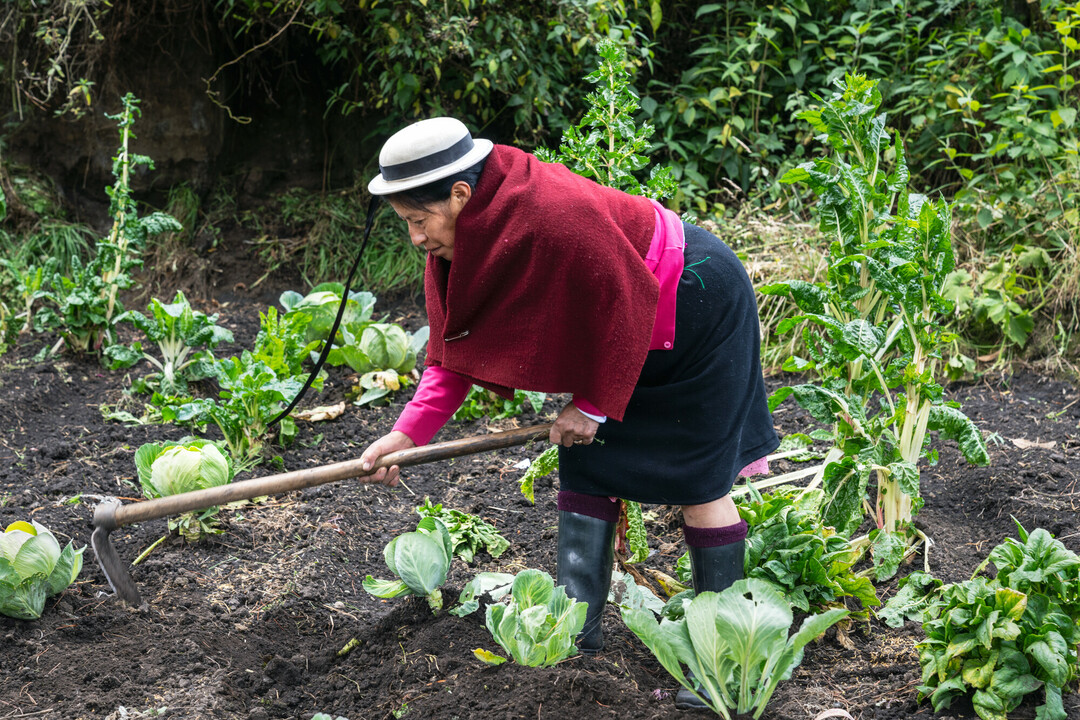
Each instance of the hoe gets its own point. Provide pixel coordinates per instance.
(111, 514)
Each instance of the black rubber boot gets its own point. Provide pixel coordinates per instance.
(714, 569)
(586, 554)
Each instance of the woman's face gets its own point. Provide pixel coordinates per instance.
(432, 228)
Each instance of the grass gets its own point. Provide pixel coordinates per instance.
(774, 248)
(320, 234)
(48, 237)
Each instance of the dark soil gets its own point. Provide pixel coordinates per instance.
(249, 623)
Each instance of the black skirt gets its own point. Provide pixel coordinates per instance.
(699, 413)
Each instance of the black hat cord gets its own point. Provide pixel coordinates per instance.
(373, 205)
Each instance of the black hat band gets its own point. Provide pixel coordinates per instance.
(426, 164)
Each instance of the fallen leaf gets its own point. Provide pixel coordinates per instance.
(1028, 444)
(323, 412)
(833, 713)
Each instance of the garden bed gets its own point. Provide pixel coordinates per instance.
(249, 623)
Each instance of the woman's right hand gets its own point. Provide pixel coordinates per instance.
(391, 442)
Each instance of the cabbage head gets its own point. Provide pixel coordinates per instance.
(174, 468)
(32, 568)
(170, 469)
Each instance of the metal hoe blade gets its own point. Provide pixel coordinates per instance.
(112, 566)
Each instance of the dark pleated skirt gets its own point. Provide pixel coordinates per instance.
(698, 414)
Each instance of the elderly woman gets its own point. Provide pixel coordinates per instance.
(539, 279)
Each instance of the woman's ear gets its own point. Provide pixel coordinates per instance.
(460, 193)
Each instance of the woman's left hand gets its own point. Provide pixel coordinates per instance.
(573, 428)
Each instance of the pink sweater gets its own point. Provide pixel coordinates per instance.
(441, 392)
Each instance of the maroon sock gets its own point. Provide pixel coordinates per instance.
(601, 508)
(714, 537)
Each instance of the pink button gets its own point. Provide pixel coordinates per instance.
(667, 346)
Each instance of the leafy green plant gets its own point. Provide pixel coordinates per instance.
(538, 626)
(420, 560)
(251, 395)
(607, 146)
(808, 562)
(469, 534)
(494, 585)
(911, 600)
(735, 644)
(320, 307)
(283, 345)
(84, 306)
(481, 402)
(383, 353)
(31, 284)
(1004, 638)
(8, 330)
(874, 326)
(171, 468)
(32, 568)
(180, 333)
(542, 465)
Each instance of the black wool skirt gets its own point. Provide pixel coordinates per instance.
(699, 413)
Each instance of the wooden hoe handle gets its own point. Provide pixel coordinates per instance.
(310, 477)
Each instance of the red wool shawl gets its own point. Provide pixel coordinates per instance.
(548, 289)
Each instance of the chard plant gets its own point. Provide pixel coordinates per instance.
(1003, 638)
(538, 626)
(31, 284)
(84, 306)
(872, 330)
(167, 469)
(251, 395)
(469, 534)
(734, 643)
(33, 568)
(608, 146)
(283, 345)
(420, 560)
(183, 337)
(788, 547)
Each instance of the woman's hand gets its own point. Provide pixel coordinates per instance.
(573, 428)
(391, 442)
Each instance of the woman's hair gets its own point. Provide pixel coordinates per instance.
(420, 198)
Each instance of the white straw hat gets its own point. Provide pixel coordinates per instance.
(424, 152)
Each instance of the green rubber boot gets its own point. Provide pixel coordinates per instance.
(586, 554)
(714, 569)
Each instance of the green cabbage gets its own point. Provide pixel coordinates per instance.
(735, 643)
(170, 469)
(539, 626)
(421, 560)
(33, 567)
(173, 468)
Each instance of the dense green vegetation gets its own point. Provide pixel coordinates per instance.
(754, 119)
(983, 95)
